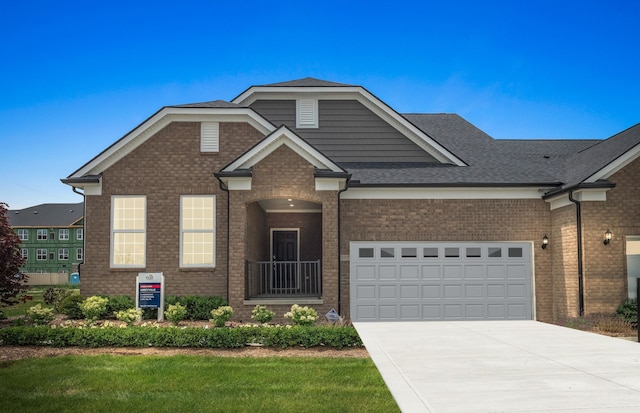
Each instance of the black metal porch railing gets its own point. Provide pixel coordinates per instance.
(283, 279)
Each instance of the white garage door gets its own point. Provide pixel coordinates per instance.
(440, 281)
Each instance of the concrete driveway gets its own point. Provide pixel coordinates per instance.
(503, 366)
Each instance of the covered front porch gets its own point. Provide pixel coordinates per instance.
(283, 250)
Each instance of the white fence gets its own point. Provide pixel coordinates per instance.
(48, 278)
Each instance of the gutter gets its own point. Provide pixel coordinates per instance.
(228, 228)
(579, 239)
(84, 235)
(346, 186)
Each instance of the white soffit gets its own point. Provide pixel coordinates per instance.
(442, 193)
(283, 136)
(363, 96)
(580, 195)
(161, 119)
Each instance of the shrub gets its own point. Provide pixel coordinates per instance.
(262, 314)
(70, 307)
(198, 307)
(129, 316)
(94, 307)
(40, 315)
(55, 297)
(303, 316)
(611, 324)
(221, 315)
(175, 313)
(120, 303)
(628, 310)
(3, 316)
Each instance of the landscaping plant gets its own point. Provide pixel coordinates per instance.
(94, 307)
(70, 307)
(262, 314)
(175, 313)
(39, 315)
(221, 315)
(129, 316)
(302, 316)
(12, 281)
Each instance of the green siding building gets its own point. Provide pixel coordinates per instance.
(51, 235)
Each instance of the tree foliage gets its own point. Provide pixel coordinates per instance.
(12, 282)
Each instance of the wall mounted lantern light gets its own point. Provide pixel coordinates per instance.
(607, 237)
(545, 241)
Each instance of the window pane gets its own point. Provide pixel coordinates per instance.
(473, 252)
(409, 252)
(197, 225)
(430, 252)
(451, 252)
(387, 252)
(365, 252)
(197, 249)
(128, 248)
(495, 252)
(515, 252)
(128, 213)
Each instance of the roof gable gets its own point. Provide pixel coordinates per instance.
(279, 137)
(314, 89)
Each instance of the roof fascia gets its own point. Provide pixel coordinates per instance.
(594, 194)
(158, 121)
(617, 164)
(362, 95)
(443, 193)
(279, 137)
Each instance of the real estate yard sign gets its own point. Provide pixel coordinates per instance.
(150, 292)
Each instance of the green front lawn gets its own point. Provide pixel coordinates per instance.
(188, 383)
(36, 293)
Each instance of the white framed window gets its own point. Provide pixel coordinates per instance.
(79, 254)
(128, 231)
(63, 254)
(23, 234)
(41, 234)
(209, 136)
(306, 113)
(63, 234)
(80, 234)
(24, 253)
(197, 230)
(41, 254)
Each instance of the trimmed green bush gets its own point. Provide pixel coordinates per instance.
(221, 315)
(39, 315)
(120, 303)
(628, 310)
(198, 307)
(70, 307)
(262, 314)
(302, 316)
(136, 336)
(94, 307)
(129, 316)
(175, 313)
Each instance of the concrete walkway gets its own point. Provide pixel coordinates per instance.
(503, 366)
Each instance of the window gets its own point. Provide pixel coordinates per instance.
(128, 231)
(306, 113)
(409, 252)
(430, 252)
(80, 234)
(387, 252)
(63, 234)
(473, 252)
(197, 231)
(209, 136)
(495, 252)
(79, 254)
(365, 252)
(24, 253)
(42, 234)
(23, 234)
(41, 254)
(451, 252)
(63, 254)
(515, 253)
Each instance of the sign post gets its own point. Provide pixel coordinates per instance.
(150, 292)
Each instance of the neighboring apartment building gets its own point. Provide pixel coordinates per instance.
(51, 235)
(318, 193)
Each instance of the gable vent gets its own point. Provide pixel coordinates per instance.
(307, 113)
(209, 136)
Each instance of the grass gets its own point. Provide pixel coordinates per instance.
(109, 383)
(37, 293)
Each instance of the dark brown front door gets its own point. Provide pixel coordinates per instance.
(285, 258)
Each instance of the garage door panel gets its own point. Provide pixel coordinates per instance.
(440, 281)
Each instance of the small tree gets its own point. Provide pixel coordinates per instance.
(12, 282)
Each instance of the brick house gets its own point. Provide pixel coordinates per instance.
(318, 193)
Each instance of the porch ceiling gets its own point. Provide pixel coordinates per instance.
(289, 205)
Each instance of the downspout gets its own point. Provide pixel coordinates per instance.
(84, 220)
(346, 186)
(228, 229)
(579, 235)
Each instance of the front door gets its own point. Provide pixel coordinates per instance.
(284, 244)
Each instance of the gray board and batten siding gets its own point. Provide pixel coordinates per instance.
(347, 132)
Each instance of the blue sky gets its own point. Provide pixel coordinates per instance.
(77, 76)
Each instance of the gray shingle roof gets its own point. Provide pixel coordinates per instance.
(305, 82)
(46, 215)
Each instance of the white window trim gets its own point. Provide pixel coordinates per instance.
(79, 234)
(24, 253)
(63, 254)
(39, 232)
(39, 253)
(214, 230)
(79, 254)
(64, 231)
(131, 231)
(306, 113)
(23, 234)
